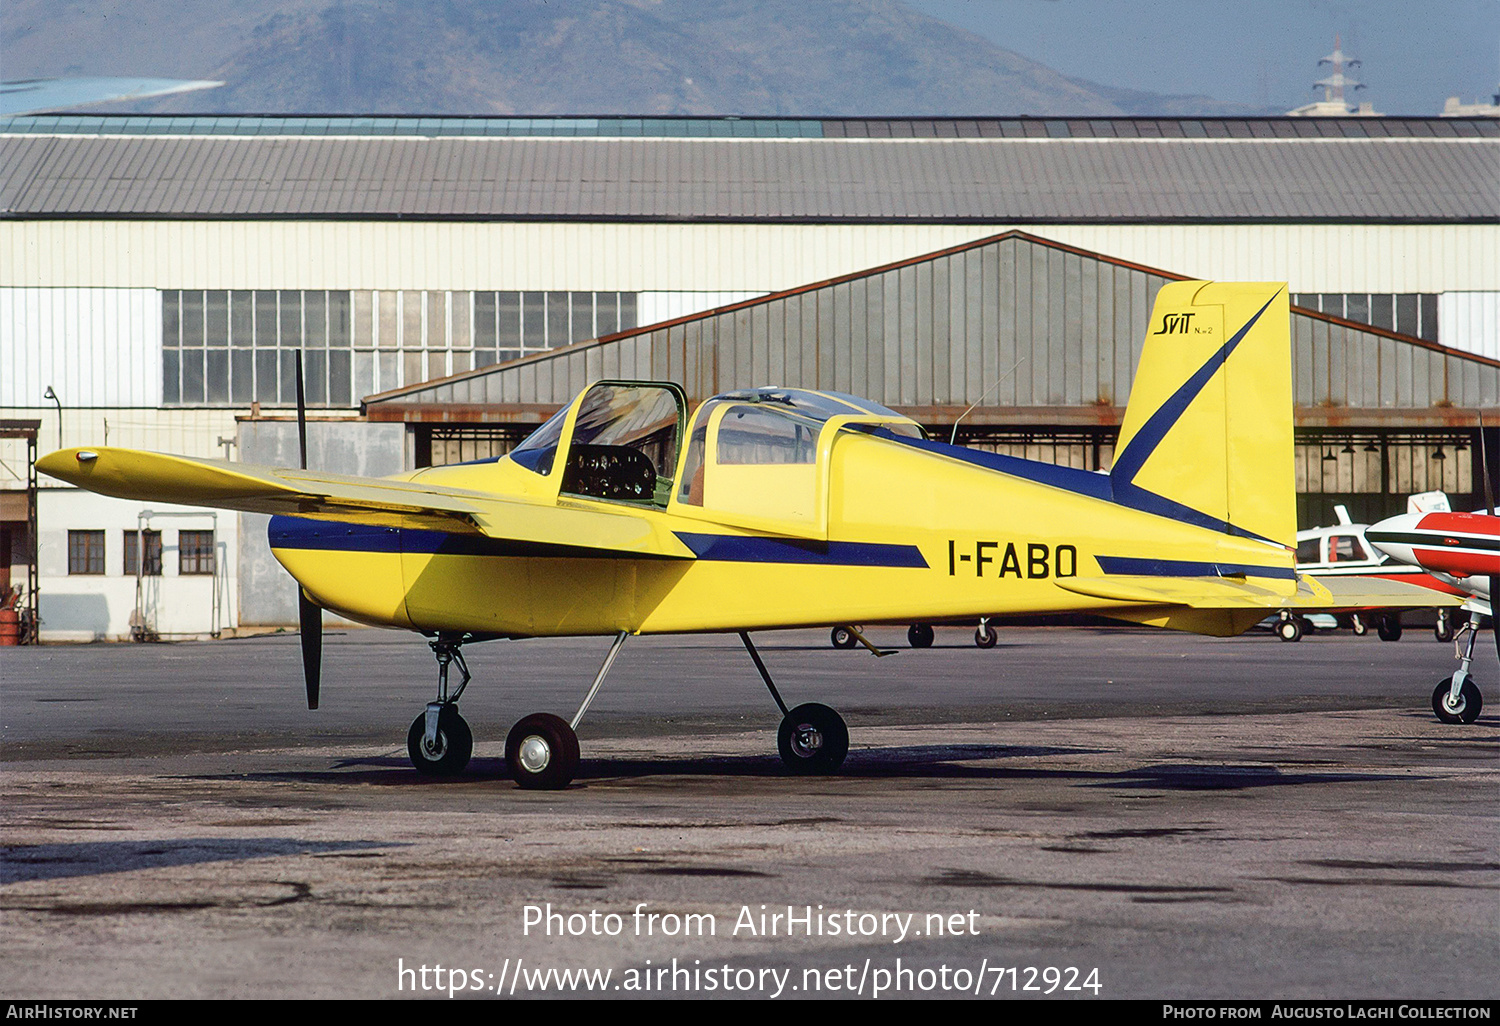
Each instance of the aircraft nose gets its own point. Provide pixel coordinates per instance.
(1394, 537)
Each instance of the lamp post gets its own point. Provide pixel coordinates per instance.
(49, 394)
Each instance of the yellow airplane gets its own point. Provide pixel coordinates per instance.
(776, 508)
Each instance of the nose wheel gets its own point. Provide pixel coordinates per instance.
(1462, 708)
(447, 752)
(440, 741)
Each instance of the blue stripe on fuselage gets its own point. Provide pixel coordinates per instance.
(1131, 566)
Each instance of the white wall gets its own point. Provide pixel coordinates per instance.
(1470, 320)
(93, 346)
(700, 257)
(86, 607)
(655, 307)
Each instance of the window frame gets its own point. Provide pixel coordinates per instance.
(86, 553)
(193, 560)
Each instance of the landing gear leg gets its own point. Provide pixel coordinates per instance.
(542, 749)
(812, 738)
(439, 741)
(1443, 629)
(1457, 699)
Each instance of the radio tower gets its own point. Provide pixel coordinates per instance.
(1333, 103)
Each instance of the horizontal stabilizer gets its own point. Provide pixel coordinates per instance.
(1367, 593)
(1194, 592)
(1241, 593)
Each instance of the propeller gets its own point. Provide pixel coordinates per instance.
(309, 613)
(1489, 500)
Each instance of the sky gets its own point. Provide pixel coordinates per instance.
(1415, 53)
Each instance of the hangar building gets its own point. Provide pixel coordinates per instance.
(450, 280)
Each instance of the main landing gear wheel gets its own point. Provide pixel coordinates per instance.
(449, 752)
(1389, 627)
(985, 636)
(813, 739)
(920, 635)
(843, 637)
(1465, 710)
(1289, 629)
(542, 753)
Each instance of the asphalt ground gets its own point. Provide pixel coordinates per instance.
(1190, 817)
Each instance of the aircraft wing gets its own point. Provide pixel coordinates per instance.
(382, 502)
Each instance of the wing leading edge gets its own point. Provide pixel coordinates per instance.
(377, 502)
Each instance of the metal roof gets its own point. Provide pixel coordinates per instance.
(730, 127)
(879, 171)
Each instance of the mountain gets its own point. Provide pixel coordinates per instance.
(657, 57)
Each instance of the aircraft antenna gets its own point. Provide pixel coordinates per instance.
(953, 436)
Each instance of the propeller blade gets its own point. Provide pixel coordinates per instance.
(309, 613)
(310, 625)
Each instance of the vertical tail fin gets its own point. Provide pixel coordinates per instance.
(1207, 436)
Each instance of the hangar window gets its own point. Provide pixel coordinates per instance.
(235, 347)
(1407, 313)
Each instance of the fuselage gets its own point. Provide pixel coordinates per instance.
(1462, 549)
(879, 527)
(1345, 551)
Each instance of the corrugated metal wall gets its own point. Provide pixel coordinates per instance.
(1014, 322)
(95, 347)
(700, 257)
(1018, 323)
(1338, 365)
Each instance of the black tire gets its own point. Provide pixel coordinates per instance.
(813, 739)
(985, 636)
(455, 743)
(920, 635)
(1470, 701)
(843, 637)
(1360, 627)
(1389, 627)
(542, 753)
(1289, 629)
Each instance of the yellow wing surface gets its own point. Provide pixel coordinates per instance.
(376, 502)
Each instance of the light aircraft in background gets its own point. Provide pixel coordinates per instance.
(1344, 551)
(775, 508)
(1463, 551)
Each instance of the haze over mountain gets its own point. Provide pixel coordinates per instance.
(662, 57)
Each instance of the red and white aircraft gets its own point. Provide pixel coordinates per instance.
(1461, 549)
(1343, 551)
